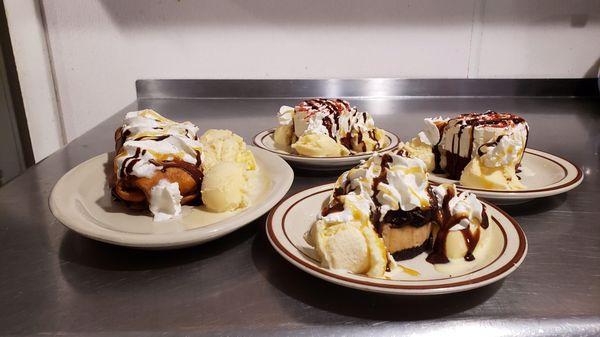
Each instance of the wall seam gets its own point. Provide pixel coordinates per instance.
(59, 111)
(476, 38)
(471, 38)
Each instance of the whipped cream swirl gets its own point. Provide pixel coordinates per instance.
(431, 133)
(503, 152)
(356, 207)
(465, 205)
(331, 117)
(285, 116)
(406, 186)
(359, 180)
(151, 138)
(148, 122)
(165, 200)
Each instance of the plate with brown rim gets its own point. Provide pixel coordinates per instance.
(542, 173)
(265, 141)
(293, 217)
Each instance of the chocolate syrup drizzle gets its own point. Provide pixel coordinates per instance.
(124, 174)
(418, 217)
(455, 163)
(493, 143)
(334, 108)
(445, 220)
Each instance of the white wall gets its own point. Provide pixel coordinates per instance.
(28, 39)
(100, 47)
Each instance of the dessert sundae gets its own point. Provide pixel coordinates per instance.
(161, 164)
(384, 210)
(480, 150)
(327, 128)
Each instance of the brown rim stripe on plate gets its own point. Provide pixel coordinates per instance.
(506, 267)
(267, 133)
(552, 188)
(438, 279)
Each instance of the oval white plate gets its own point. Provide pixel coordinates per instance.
(265, 141)
(293, 217)
(81, 200)
(543, 174)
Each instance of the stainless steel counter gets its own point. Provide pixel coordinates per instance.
(53, 281)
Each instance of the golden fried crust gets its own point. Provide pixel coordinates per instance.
(135, 191)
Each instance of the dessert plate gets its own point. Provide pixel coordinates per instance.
(292, 218)
(265, 140)
(82, 201)
(543, 174)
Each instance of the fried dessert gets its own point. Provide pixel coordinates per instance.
(161, 164)
(384, 210)
(481, 150)
(327, 128)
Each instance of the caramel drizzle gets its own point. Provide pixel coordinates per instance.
(397, 218)
(418, 217)
(128, 163)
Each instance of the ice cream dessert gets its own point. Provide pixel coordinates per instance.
(345, 238)
(495, 165)
(384, 210)
(226, 163)
(327, 128)
(161, 164)
(480, 150)
(461, 230)
(225, 146)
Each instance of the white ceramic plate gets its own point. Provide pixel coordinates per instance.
(265, 141)
(543, 174)
(294, 216)
(81, 200)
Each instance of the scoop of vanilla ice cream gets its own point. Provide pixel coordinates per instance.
(478, 175)
(224, 145)
(224, 187)
(342, 246)
(496, 167)
(347, 241)
(319, 145)
(456, 246)
(165, 200)
(350, 246)
(416, 148)
(368, 144)
(471, 211)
